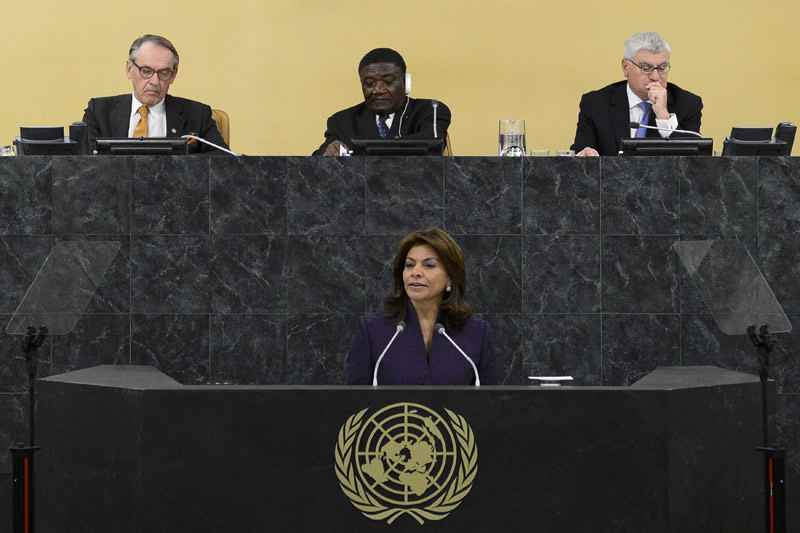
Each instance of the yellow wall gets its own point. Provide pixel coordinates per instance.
(281, 68)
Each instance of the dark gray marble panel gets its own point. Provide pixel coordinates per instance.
(779, 195)
(787, 416)
(113, 294)
(561, 273)
(326, 196)
(21, 257)
(13, 429)
(248, 349)
(98, 339)
(248, 274)
(317, 347)
(560, 344)
(91, 195)
(248, 195)
(779, 260)
(718, 195)
(13, 369)
(483, 195)
(640, 195)
(169, 195)
(175, 344)
(561, 195)
(507, 332)
(170, 274)
(25, 195)
(634, 345)
(494, 272)
(378, 276)
(640, 275)
(333, 281)
(691, 299)
(404, 194)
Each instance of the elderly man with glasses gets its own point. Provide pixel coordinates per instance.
(605, 115)
(150, 112)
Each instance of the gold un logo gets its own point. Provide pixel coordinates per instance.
(406, 459)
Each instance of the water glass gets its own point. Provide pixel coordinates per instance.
(512, 138)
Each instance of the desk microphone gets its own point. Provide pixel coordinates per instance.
(636, 126)
(438, 328)
(400, 327)
(435, 104)
(218, 147)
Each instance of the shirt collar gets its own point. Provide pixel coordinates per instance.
(157, 109)
(633, 100)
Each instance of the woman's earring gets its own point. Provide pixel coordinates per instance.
(448, 289)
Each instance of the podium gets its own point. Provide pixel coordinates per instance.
(127, 449)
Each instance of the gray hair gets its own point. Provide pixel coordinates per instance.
(157, 40)
(645, 40)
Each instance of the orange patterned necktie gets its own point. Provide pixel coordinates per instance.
(141, 127)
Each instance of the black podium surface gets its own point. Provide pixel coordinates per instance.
(125, 448)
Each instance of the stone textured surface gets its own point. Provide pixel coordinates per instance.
(255, 270)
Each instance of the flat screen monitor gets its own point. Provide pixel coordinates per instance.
(759, 141)
(397, 146)
(683, 146)
(45, 140)
(141, 146)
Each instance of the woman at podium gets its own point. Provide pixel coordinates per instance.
(426, 334)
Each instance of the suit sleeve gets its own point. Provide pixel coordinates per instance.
(586, 132)
(90, 118)
(422, 126)
(689, 119)
(359, 360)
(330, 136)
(209, 132)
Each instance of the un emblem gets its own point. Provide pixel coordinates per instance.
(406, 459)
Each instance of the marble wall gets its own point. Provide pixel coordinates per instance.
(255, 270)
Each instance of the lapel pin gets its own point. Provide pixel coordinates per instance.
(174, 130)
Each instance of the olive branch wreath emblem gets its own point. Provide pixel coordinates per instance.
(373, 508)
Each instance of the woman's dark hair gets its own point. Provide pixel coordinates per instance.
(456, 312)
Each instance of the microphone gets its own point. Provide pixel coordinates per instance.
(438, 328)
(636, 126)
(400, 327)
(435, 104)
(218, 147)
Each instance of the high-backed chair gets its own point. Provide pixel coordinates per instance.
(223, 124)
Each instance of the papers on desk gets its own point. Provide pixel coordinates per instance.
(550, 381)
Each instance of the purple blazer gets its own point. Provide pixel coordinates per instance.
(406, 362)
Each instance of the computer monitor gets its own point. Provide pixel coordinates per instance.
(141, 146)
(654, 146)
(397, 146)
(759, 141)
(50, 140)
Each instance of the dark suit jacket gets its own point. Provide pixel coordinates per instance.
(358, 122)
(110, 117)
(604, 117)
(406, 362)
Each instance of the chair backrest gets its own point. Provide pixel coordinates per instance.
(448, 149)
(223, 124)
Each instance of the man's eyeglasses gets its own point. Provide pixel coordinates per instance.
(146, 72)
(648, 69)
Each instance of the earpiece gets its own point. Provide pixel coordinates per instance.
(408, 83)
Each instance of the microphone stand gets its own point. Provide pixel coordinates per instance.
(24, 494)
(774, 458)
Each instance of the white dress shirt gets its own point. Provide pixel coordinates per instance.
(156, 118)
(636, 116)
